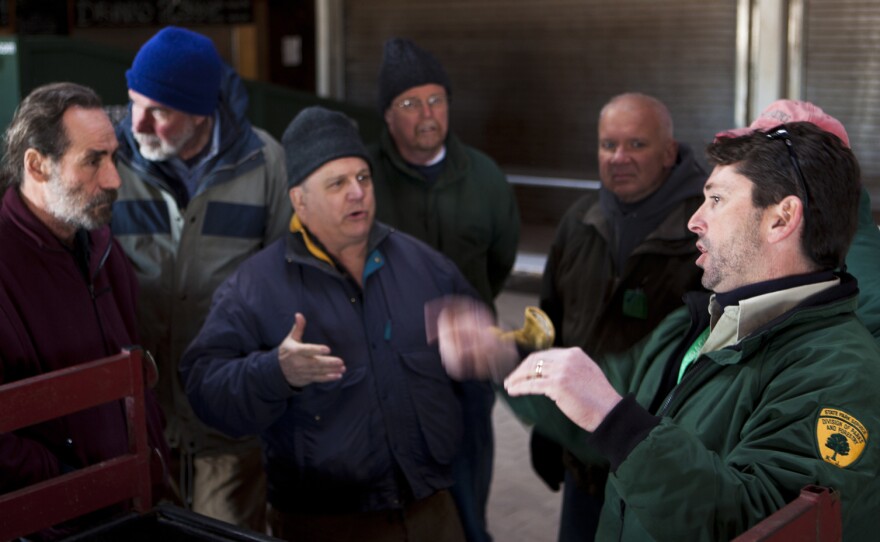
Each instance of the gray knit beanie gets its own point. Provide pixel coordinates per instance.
(316, 136)
(405, 65)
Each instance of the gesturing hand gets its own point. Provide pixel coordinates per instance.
(571, 379)
(304, 363)
(471, 347)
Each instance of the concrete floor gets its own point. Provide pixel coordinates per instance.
(521, 508)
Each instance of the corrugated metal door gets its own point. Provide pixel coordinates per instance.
(842, 74)
(529, 78)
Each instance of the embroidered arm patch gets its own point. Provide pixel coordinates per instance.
(841, 437)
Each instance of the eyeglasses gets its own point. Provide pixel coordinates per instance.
(415, 104)
(781, 133)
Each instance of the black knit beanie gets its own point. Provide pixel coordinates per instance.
(316, 136)
(405, 65)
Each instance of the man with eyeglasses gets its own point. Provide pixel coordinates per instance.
(744, 396)
(455, 198)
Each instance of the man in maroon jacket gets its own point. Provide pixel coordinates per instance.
(67, 292)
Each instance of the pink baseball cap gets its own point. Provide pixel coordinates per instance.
(782, 111)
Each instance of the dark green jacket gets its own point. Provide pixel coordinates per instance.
(469, 214)
(863, 261)
(603, 310)
(606, 307)
(745, 429)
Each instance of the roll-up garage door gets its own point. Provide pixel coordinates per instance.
(842, 74)
(529, 77)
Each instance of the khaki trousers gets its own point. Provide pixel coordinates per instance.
(231, 488)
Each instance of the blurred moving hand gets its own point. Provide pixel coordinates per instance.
(471, 347)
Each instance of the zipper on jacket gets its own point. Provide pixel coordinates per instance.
(622, 513)
(90, 284)
(689, 375)
(101, 263)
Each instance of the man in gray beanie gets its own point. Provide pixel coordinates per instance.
(318, 345)
(455, 198)
(201, 191)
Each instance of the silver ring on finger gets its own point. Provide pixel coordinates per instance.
(539, 369)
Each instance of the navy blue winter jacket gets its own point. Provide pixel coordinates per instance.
(349, 445)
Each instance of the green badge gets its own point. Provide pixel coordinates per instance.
(635, 304)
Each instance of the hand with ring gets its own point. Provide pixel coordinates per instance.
(539, 368)
(571, 379)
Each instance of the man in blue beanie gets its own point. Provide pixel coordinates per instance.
(201, 191)
(318, 345)
(455, 198)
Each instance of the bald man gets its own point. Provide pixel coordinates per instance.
(621, 261)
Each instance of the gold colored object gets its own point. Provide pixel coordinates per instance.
(537, 332)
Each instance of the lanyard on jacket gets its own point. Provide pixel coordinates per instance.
(692, 353)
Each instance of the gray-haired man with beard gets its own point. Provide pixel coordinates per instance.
(67, 291)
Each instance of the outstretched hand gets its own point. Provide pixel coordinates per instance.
(303, 363)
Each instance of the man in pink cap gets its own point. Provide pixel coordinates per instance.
(863, 258)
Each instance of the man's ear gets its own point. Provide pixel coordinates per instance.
(37, 166)
(785, 218)
(296, 198)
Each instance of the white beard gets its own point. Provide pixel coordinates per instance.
(155, 149)
(72, 207)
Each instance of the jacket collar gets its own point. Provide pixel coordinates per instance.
(822, 302)
(456, 161)
(672, 228)
(304, 248)
(16, 211)
(733, 322)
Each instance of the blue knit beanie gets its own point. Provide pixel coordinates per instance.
(405, 65)
(316, 136)
(178, 68)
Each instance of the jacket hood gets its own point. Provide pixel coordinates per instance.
(238, 141)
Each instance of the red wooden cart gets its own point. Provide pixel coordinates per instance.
(124, 478)
(814, 515)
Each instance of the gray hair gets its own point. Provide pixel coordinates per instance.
(631, 99)
(38, 124)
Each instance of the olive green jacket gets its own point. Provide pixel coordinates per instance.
(469, 214)
(792, 404)
(863, 261)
